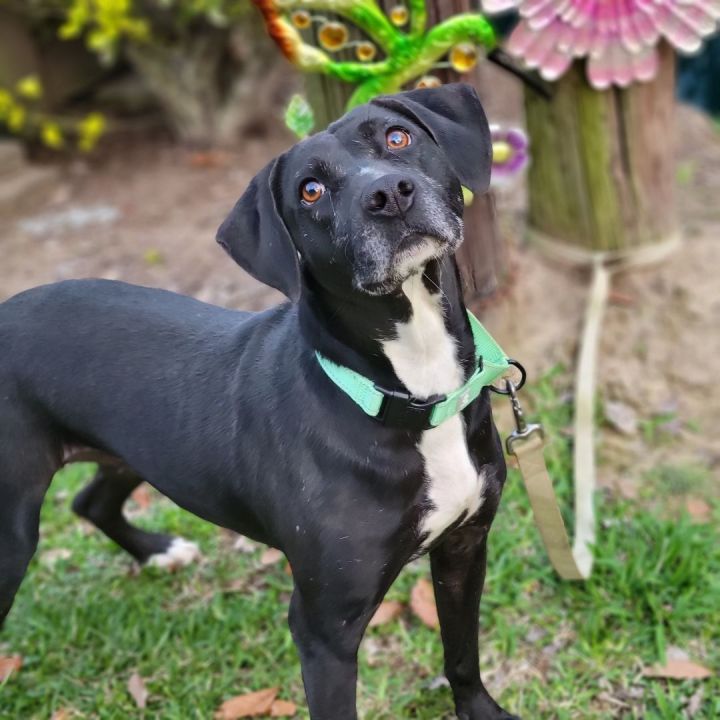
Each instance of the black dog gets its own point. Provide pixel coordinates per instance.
(232, 416)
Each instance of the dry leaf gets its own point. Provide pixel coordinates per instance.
(283, 708)
(9, 665)
(694, 705)
(61, 714)
(271, 556)
(141, 496)
(50, 557)
(211, 159)
(244, 545)
(249, 705)
(138, 691)
(678, 670)
(387, 611)
(422, 603)
(698, 509)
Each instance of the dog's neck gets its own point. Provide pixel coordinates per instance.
(354, 330)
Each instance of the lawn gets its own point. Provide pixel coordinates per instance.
(85, 619)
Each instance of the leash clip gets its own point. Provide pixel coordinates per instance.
(523, 429)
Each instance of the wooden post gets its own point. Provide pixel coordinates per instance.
(602, 172)
(482, 257)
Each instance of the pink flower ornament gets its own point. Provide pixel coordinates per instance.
(618, 36)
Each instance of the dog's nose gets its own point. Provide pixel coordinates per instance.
(390, 196)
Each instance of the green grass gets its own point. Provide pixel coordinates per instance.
(550, 649)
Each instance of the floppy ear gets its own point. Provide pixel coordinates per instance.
(454, 118)
(255, 235)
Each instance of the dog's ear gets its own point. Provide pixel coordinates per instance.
(453, 116)
(255, 235)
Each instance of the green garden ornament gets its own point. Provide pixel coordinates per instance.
(396, 49)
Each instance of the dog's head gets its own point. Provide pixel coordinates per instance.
(368, 202)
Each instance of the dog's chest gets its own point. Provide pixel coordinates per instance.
(424, 357)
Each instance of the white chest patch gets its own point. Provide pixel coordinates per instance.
(424, 357)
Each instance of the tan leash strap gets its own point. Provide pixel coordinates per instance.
(571, 563)
(526, 443)
(529, 454)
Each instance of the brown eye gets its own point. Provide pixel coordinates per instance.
(397, 138)
(311, 191)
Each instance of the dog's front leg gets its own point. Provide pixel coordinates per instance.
(458, 570)
(328, 633)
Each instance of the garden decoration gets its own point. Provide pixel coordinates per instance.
(391, 50)
(619, 37)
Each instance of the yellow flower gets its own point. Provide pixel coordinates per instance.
(89, 130)
(16, 118)
(51, 135)
(29, 87)
(6, 103)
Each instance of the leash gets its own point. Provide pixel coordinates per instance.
(526, 442)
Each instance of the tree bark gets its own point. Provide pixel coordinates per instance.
(482, 257)
(602, 173)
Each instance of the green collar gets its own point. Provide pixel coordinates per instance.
(400, 409)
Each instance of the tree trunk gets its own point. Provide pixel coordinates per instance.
(602, 173)
(482, 257)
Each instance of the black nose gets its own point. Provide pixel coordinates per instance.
(390, 196)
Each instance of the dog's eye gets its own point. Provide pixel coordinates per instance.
(397, 138)
(311, 191)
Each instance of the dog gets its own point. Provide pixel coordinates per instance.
(233, 416)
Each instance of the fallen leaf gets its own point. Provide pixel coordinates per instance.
(50, 557)
(387, 611)
(698, 509)
(61, 714)
(695, 702)
(244, 545)
(138, 691)
(271, 556)
(422, 603)
(621, 417)
(250, 705)
(678, 670)
(283, 708)
(9, 665)
(141, 496)
(211, 159)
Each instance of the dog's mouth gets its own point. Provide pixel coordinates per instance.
(414, 251)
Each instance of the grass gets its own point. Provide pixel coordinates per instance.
(85, 621)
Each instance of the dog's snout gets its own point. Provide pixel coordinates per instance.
(390, 196)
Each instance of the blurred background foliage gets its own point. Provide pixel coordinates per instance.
(68, 66)
(200, 61)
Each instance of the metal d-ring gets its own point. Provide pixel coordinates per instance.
(519, 386)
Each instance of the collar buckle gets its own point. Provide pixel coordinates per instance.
(400, 409)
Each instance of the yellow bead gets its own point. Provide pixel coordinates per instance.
(399, 15)
(428, 81)
(463, 57)
(333, 36)
(501, 152)
(365, 51)
(301, 19)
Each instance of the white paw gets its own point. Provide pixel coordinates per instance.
(180, 553)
